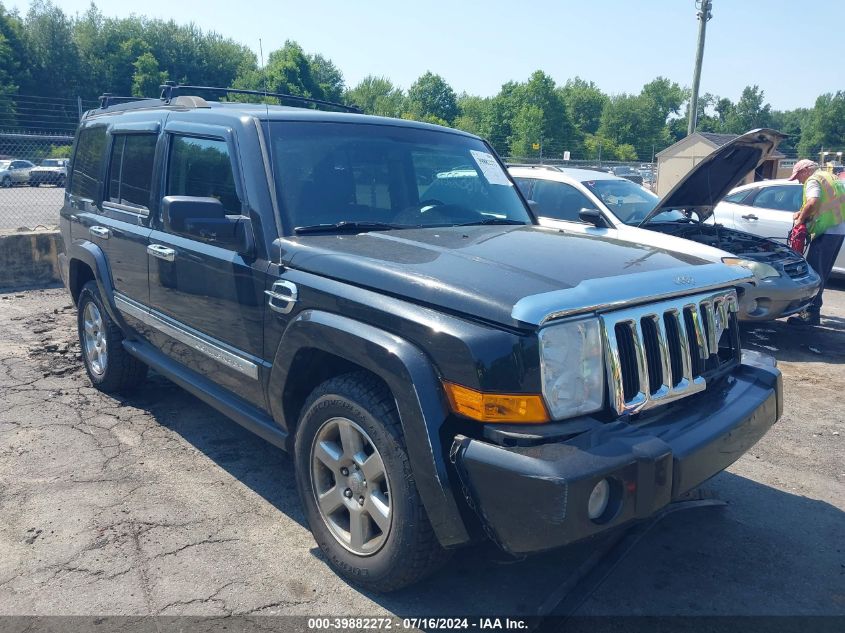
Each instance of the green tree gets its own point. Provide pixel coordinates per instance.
(750, 112)
(429, 96)
(557, 132)
(328, 77)
(825, 126)
(147, 79)
(11, 65)
(52, 54)
(584, 101)
(476, 115)
(376, 95)
(527, 131)
(666, 96)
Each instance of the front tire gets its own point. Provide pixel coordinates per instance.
(109, 366)
(357, 487)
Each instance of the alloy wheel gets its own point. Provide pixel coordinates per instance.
(94, 339)
(350, 486)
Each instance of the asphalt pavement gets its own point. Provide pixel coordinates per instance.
(157, 504)
(24, 207)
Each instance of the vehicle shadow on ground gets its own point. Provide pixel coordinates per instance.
(264, 468)
(795, 343)
(768, 552)
(739, 559)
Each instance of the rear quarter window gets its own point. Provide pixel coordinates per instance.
(88, 163)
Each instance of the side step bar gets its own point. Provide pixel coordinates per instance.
(245, 414)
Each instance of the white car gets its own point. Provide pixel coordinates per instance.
(14, 172)
(590, 201)
(765, 209)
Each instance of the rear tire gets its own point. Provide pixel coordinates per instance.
(109, 366)
(350, 453)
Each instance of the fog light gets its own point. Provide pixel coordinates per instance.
(599, 498)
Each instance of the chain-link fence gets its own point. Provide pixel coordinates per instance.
(642, 173)
(33, 172)
(36, 136)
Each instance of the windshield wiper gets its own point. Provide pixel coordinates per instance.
(347, 227)
(491, 221)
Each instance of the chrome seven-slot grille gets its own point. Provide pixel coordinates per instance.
(660, 352)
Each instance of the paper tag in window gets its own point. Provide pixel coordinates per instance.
(494, 174)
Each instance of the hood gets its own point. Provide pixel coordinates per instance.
(711, 179)
(484, 271)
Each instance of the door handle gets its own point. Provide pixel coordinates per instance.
(161, 252)
(750, 216)
(99, 231)
(282, 297)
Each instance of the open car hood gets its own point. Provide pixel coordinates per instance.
(711, 180)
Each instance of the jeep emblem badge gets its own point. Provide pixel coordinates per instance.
(684, 280)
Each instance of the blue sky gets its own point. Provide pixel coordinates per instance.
(477, 46)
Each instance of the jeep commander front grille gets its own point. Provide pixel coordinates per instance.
(663, 351)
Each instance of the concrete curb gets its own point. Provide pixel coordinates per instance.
(29, 259)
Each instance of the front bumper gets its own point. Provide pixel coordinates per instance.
(778, 297)
(534, 498)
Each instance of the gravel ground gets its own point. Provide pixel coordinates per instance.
(156, 504)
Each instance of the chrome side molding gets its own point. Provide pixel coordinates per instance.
(206, 345)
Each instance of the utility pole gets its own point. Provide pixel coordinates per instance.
(704, 14)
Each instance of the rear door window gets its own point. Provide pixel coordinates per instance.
(131, 171)
(88, 163)
(785, 198)
(559, 200)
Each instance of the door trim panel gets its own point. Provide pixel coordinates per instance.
(206, 345)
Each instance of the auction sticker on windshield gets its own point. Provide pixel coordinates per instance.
(492, 171)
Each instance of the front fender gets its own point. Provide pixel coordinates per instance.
(414, 384)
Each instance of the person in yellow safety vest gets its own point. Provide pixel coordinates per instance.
(822, 212)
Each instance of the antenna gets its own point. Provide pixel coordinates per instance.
(268, 136)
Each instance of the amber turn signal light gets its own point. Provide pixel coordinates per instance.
(518, 408)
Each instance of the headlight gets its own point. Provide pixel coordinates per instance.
(572, 367)
(760, 270)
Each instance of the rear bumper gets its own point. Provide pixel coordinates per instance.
(533, 498)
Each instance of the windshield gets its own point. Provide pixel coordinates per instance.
(378, 177)
(50, 162)
(628, 201)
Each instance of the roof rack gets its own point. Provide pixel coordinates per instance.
(108, 99)
(175, 94)
(170, 90)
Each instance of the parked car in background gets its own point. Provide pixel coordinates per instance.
(765, 209)
(51, 171)
(628, 173)
(14, 172)
(603, 204)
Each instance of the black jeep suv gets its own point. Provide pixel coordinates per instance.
(374, 296)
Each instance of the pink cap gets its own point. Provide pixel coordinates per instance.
(801, 165)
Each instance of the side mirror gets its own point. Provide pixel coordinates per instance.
(594, 217)
(206, 219)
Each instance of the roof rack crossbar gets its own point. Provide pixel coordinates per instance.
(171, 90)
(108, 99)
